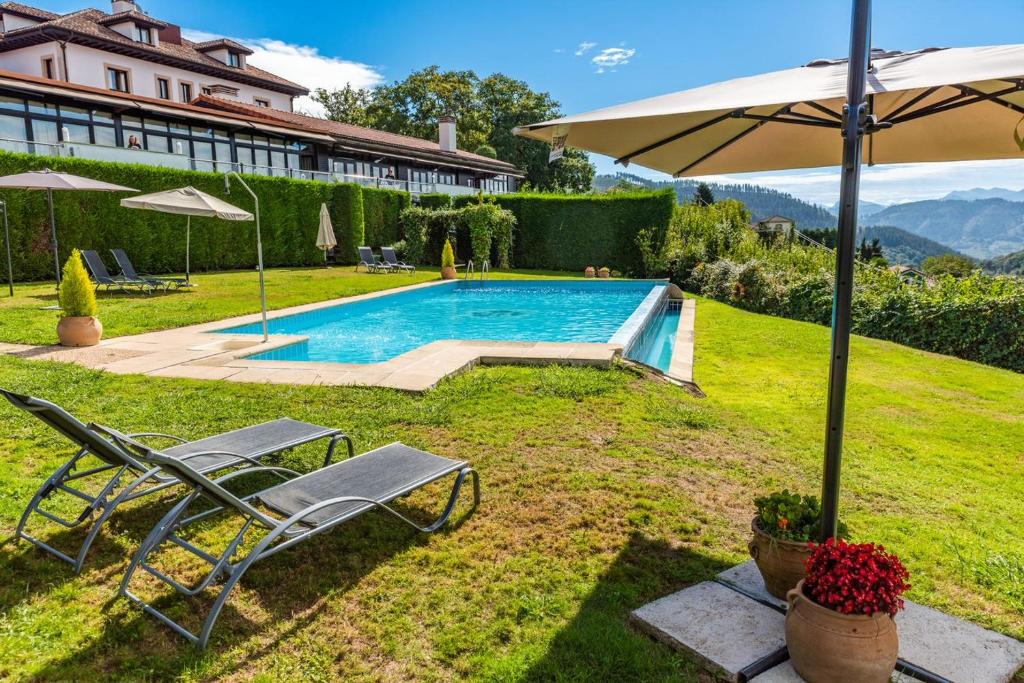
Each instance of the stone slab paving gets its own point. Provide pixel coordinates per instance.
(192, 352)
(724, 631)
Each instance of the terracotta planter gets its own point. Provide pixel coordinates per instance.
(589, 272)
(603, 273)
(781, 563)
(448, 273)
(825, 645)
(79, 331)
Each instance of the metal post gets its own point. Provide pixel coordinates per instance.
(855, 120)
(188, 246)
(7, 242)
(259, 246)
(53, 235)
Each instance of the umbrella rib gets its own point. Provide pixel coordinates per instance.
(823, 109)
(910, 103)
(722, 146)
(956, 103)
(821, 123)
(995, 100)
(678, 136)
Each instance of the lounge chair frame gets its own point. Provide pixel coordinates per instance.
(391, 258)
(128, 271)
(281, 533)
(118, 464)
(101, 277)
(371, 263)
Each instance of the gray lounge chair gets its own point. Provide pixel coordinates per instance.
(300, 507)
(371, 262)
(129, 272)
(239, 448)
(102, 278)
(391, 258)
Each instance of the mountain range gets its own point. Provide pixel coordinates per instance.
(987, 193)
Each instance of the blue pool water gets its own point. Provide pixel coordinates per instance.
(658, 341)
(378, 329)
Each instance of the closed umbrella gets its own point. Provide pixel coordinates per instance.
(890, 107)
(53, 181)
(187, 201)
(325, 239)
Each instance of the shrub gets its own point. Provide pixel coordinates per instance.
(790, 516)
(435, 201)
(856, 578)
(447, 255)
(382, 215)
(76, 295)
(486, 151)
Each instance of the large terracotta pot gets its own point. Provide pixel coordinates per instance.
(79, 331)
(827, 646)
(448, 273)
(781, 563)
(589, 272)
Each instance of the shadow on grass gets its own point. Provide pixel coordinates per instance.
(287, 592)
(600, 645)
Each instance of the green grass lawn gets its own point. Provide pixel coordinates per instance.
(217, 296)
(602, 490)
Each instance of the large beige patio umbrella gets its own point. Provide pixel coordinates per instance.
(930, 105)
(325, 239)
(52, 181)
(187, 201)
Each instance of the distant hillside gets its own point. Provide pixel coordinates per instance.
(902, 247)
(762, 201)
(1011, 264)
(863, 211)
(983, 228)
(987, 193)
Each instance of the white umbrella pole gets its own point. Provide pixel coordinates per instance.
(259, 245)
(53, 235)
(856, 118)
(188, 244)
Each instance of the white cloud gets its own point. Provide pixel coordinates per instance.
(611, 58)
(303, 65)
(584, 48)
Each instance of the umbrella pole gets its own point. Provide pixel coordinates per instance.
(53, 235)
(259, 245)
(7, 243)
(855, 119)
(188, 244)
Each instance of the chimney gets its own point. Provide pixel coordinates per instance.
(446, 133)
(118, 6)
(170, 34)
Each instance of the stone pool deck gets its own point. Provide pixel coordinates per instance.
(192, 352)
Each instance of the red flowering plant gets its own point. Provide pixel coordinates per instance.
(853, 578)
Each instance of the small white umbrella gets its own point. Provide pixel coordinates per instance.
(187, 201)
(53, 181)
(325, 239)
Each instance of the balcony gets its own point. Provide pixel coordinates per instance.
(81, 150)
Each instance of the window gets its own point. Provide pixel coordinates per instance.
(186, 92)
(206, 91)
(262, 103)
(144, 34)
(48, 71)
(117, 79)
(163, 88)
(234, 59)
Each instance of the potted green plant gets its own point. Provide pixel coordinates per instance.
(840, 625)
(78, 324)
(783, 525)
(589, 272)
(448, 261)
(604, 272)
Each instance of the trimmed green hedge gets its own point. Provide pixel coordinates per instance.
(571, 232)
(382, 211)
(435, 200)
(290, 216)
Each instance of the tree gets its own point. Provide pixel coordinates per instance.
(868, 252)
(703, 196)
(486, 111)
(486, 151)
(347, 105)
(948, 264)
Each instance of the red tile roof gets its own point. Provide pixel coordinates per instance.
(87, 26)
(347, 131)
(222, 43)
(26, 11)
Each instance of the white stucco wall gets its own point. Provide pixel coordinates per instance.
(88, 66)
(13, 22)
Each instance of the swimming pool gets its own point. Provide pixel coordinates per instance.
(377, 329)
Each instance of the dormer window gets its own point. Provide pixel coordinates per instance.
(235, 60)
(144, 34)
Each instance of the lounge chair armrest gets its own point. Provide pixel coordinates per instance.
(279, 471)
(148, 435)
(246, 458)
(334, 442)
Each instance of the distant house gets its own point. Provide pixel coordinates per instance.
(910, 274)
(778, 225)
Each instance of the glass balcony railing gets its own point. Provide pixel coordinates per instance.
(179, 161)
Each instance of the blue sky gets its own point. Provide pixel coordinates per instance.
(593, 54)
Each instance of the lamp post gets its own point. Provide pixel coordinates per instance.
(259, 243)
(7, 243)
